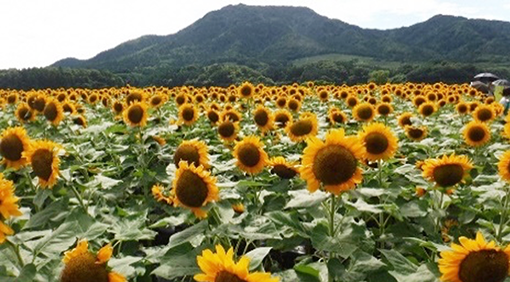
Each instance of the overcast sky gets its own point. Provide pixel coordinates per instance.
(36, 33)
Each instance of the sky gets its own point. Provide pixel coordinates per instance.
(37, 33)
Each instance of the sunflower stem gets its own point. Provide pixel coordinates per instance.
(439, 209)
(15, 249)
(504, 215)
(332, 212)
(78, 196)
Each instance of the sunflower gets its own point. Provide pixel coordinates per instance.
(238, 207)
(282, 117)
(53, 111)
(220, 267)
(474, 261)
(157, 101)
(294, 105)
(68, 107)
(193, 188)
(476, 133)
(12, 98)
(246, 90)
(136, 114)
(484, 113)
(333, 163)
(336, 115)
(462, 108)
(188, 114)
(416, 133)
(384, 109)
(213, 116)
(281, 102)
(80, 120)
(303, 128)
(263, 118)
(405, 119)
(250, 155)
(135, 97)
(4, 231)
(81, 265)
(13, 143)
(227, 130)
(323, 95)
(504, 166)
(282, 168)
(193, 152)
(43, 156)
(8, 201)
(380, 143)
(230, 114)
(352, 101)
(159, 195)
(418, 100)
(427, 109)
(117, 107)
(447, 171)
(24, 113)
(363, 112)
(181, 98)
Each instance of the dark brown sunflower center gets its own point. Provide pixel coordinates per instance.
(365, 113)
(323, 95)
(39, 104)
(281, 102)
(187, 153)
(226, 129)
(180, 100)
(261, 117)
(93, 99)
(135, 114)
(24, 113)
(415, 133)
(334, 165)
(485, 265)
(484, 114)
(67, 108)
(79, 121)
(213, 116)
(191, 190)
(283, 171)
(83, 268)
(476, 134)
(293, 105)
(427, 110)
(248, 155)
(156, 100)
(42, 160)
(50, 111)
(338, 117)
(406, 120)
(383, 110)
(117, 107)
(11, 147)
(133, 97)
(232, 116)
(462, 108)
(188, 114)
(281, 120)
(225, 276)
(376, 143)
(301, 127)
(246, 91)
(352, 102)
(448, 175)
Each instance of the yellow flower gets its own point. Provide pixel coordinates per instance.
(263, 118)
(157, 192)
(4, 230)
(415, 133)
(53, 111)
(81, 265)
(363, 112)
(282, 168)
(227, 130)
(188, 114)
(476, 133)
(447, 171)
(193, 152)
(504, 166)
(333, 163)
(484, 113)
(246, 90)
(307, 126)
(250, 155)
(136, 114)
(474, 261)
(8, 201)
(193, 188)
(45, 162)
(221, 267)
(14, 143)
(380, 143)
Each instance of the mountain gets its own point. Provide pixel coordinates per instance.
(266, 34)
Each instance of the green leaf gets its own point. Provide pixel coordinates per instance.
(50, 212)
(342, 244)
(399, 262)
(257, 256)
(421, 274)
(188, 234)
(307, 273)
(304, 199)
(182, 262)
(27, 274)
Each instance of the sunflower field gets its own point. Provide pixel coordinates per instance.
(254, 183)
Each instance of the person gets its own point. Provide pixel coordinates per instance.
(505, 100)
